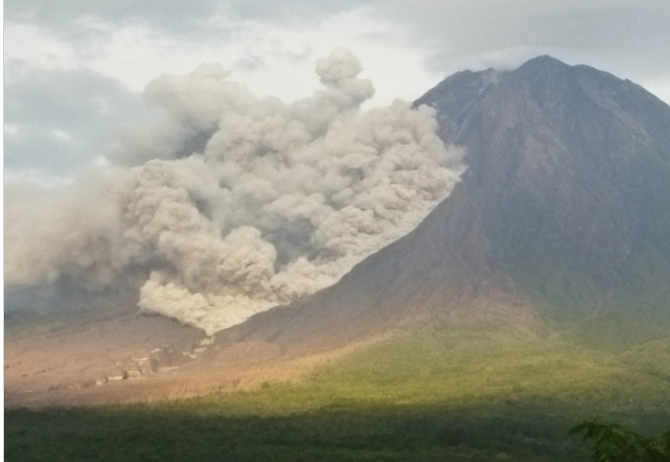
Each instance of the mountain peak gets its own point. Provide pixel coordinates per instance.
(543, 62)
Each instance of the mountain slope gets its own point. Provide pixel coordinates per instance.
(571, 167)
(565, 205)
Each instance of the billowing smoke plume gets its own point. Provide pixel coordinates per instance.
(233, 204)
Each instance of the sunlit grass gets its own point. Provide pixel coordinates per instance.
(475, 367)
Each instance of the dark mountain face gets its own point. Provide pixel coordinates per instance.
(570, 170)
(565, 205)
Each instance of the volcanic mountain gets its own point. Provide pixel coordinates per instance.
(563, 213)
(564, 209)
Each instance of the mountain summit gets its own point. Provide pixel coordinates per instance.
(564, 207)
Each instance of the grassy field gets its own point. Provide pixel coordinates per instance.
(484, 393)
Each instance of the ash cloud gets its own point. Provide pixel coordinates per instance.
(231, 204)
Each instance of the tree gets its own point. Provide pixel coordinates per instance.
(614, 444)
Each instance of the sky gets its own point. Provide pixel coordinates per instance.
(74, 70)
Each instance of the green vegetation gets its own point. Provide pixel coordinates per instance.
(614, 444)
(482, 393)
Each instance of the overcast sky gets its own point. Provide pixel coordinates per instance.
(75, 69)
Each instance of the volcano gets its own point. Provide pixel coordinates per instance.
(563, 213)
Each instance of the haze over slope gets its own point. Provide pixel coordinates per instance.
(229, 204)
(564, 205)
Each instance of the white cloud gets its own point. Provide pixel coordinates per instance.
(58, 120)
(38, 46)
(408, 47)
(625, 38)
